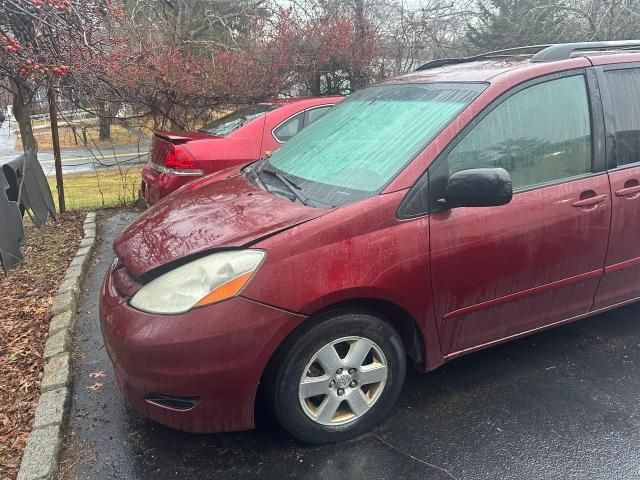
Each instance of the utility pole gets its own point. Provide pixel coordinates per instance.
(53, 117)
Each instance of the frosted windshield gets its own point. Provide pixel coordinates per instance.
(362, 143)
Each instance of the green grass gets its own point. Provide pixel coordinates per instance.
(104, 188)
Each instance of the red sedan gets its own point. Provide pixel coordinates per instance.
(240, 137)
(467, 204)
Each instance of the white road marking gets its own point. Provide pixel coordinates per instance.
(106, 157)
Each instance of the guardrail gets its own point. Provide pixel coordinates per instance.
(69, 114)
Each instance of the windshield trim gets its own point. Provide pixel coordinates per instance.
(426, 82)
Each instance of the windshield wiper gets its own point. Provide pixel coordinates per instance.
(293, 188)
(257, 167)
(253, 169)
(261, 162)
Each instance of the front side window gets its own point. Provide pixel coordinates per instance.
(624, 86)
(359, 146)
(539, 135)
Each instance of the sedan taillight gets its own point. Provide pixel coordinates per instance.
(179, 159)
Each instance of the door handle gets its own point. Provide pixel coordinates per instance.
(631, 190)
(628, 191)
(590, 201)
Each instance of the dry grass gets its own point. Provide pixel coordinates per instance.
(100, 188)
(27, 294)
(119, 136)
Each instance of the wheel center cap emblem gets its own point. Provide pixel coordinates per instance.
(343, 381)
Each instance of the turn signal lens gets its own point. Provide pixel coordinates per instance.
(227, 290)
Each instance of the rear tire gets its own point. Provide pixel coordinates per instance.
(337, 378)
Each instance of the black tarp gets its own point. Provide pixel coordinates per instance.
(11, 229)
(28, 183)
(23, 187)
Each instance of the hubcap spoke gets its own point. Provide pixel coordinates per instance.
(327, 409)
(374, 374)
(357, 402)
(313, 386)
(359, 351)
(329, 359)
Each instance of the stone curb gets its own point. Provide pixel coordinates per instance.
(42, 453)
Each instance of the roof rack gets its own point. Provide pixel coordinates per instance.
(545, 53)
(563, 51)
(496, 53)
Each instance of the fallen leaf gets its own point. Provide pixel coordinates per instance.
(95, 386)
(27, 295)
(98, 374)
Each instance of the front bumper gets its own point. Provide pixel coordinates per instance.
(216, 354)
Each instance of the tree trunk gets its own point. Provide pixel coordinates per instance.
(22, 114)
(53, 116)
(105, 128)
(104, 121)
(316, 84)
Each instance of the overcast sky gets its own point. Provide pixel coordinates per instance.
(407, 3)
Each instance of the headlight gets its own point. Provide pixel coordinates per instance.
(204, 281)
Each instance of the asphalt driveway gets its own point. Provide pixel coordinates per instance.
(560, 404)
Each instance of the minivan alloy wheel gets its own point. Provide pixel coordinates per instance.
(343, 380)
(337, 376)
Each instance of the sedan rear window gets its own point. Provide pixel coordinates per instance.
(354, 150)
(225, 125)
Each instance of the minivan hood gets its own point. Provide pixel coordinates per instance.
(205, 215)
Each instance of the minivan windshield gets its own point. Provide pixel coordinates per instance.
(233, 121)
(362, 143)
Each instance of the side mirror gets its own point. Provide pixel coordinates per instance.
(478, 187)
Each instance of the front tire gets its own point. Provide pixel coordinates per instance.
(338, 377)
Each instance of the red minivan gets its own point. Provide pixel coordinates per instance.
(466, 204)
(177, 158)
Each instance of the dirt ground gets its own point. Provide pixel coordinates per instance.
(26, 294)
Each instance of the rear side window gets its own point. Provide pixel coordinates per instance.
(230, 123)
(289, 128)
(624, 86)
(314, 114)
(539, 135)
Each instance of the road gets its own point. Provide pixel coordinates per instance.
(76, 159)
(560, 404)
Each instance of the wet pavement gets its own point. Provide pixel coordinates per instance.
(560, 404)
(79, 159)
(7, 140)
